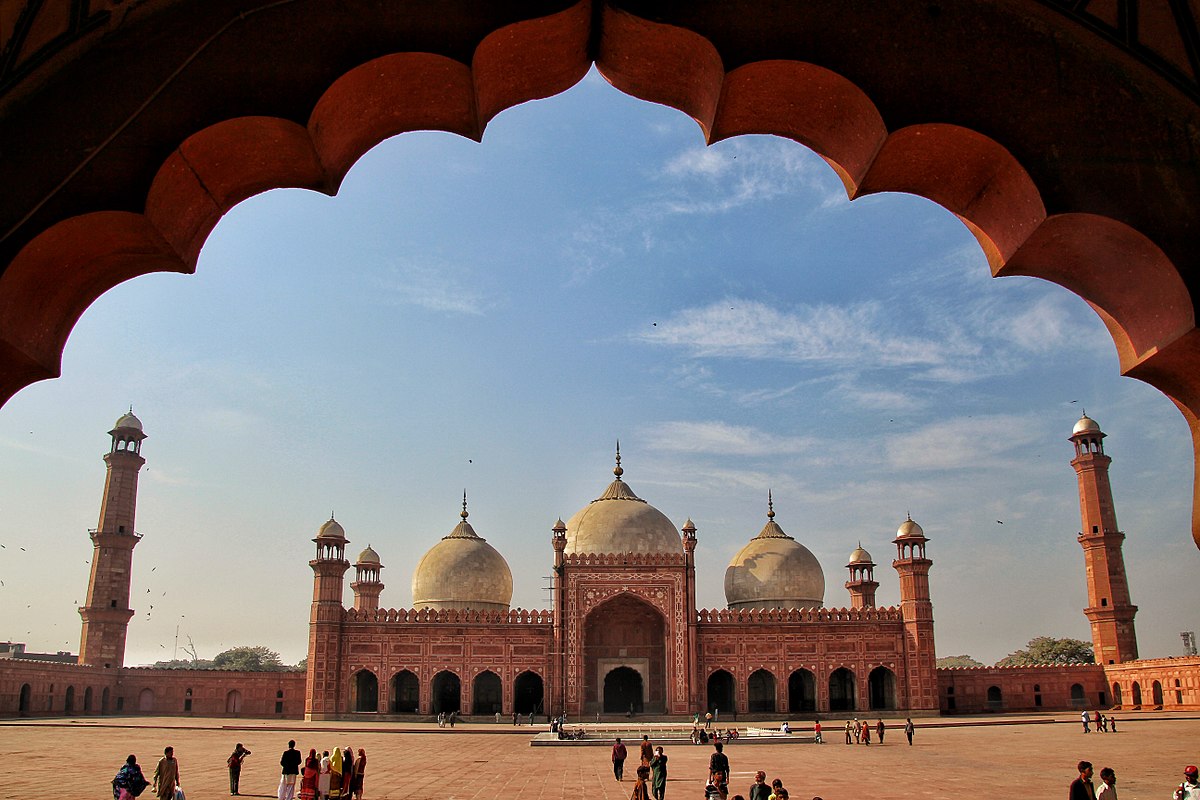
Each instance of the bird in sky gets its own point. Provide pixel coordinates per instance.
(999, 522)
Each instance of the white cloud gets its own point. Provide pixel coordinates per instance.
(739, 172)
(719, 438)
(427, 285)
(836, 335)
(963, 442)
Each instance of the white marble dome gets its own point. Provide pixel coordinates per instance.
(774, 571)
(128, 421)
(462, 571)
(910, 530)
(619, 521)
(1085, 425)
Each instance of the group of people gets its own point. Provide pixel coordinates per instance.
(1083, 788)
(1103, 724)
(705, 735)
(444, 719)
(324, 777)
(130, 782)
(651, 779)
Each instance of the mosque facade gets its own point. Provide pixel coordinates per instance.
(623, 634)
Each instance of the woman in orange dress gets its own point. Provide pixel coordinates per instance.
(308, 779)
(640, 789)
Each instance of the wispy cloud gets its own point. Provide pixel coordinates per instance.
(430, 285)
(958, 443)
(855, 334)
(740, 172)
(720, 438)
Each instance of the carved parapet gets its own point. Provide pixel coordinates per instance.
(450, 616)
(625, 559)
(737, 616)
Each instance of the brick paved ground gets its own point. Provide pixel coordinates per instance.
(1033, 758)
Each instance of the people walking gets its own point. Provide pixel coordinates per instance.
(1081, 787)
(1086, 718)
(234, 762)
(908, 729)
(289, 762)
(718, 765)
(166, 775)
(647, 751)
(658, 770)
(1108, 785)
(619, 754)
(641, 790)
(129, 781)
(848, 732)
(817, 732)
(879, 729)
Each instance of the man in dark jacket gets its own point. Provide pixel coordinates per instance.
(234, 763)
(718, 763)
(1081, 787)
(290, 761)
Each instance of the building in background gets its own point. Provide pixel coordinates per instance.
(623, 636)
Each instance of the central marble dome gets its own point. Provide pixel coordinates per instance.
(619, 521)
(774, 571)
(462, 571)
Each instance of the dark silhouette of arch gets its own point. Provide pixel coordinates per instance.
(1077, 695)
(1137, 695)
(87, 700)
(1156, 694)
(406, 692)
(720, 691)
(447, 692)
(995, 698)
(760, 691)
(881, 689)
(1116, 694)
(802, 691)
(25, 700)
(364, 692)
(486, 693)
(528, 692)
(104, 696)
(69, 702)
(842, 691)
(623, 691)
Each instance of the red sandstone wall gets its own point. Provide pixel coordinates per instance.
(1178, 682)
(857, 640)
(146, 691)
(966, 690)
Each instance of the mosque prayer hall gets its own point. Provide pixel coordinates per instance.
(624, 634)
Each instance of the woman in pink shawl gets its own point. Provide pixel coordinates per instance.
(308, 780)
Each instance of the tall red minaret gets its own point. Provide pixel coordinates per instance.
(323, 696)
(106, 612)
(920, 677)
(1109, 609)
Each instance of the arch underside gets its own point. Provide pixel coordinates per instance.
(1070, 159)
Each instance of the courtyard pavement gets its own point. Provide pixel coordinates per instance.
(1026, 756)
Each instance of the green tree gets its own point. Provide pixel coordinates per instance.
(958, 661)
(1048, 650)
(301, 666)
(249, 659)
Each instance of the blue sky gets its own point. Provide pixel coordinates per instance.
(494, 316)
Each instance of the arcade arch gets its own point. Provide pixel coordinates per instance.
(486, 693)
(881, 689)
(83, 220)
(406, 692)
(528, 693)
(720, 691)
(364, 692)
(624, 656)
(802, 692)
(760, 692)
(842, 690)
(447, 692)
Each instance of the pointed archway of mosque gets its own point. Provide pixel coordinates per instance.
(624, 657)
(1071, 159)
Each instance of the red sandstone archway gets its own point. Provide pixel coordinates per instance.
(627, 633)
(1071, 160)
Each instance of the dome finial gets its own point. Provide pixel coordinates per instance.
(617, 469)
(464, 511)
(770, 505)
